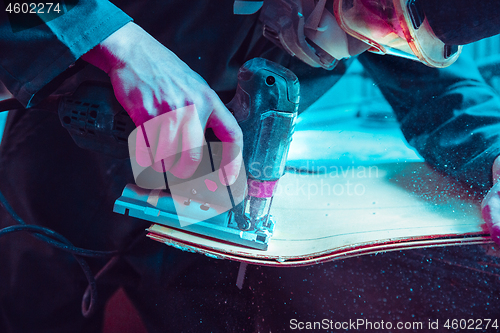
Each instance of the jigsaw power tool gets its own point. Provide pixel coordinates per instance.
(265, 106)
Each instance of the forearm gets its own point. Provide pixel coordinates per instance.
(451, 116)
(112, 51)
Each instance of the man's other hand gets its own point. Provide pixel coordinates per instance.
(150, 80)
(490, 207)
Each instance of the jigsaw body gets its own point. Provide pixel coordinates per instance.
(265, 106)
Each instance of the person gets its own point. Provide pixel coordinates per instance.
(450, 117)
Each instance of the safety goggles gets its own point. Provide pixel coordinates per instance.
(320, 35)
(396, 27)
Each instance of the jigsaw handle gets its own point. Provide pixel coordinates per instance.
(95, 119)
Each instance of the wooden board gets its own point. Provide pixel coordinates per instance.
(335, 212)
(405, 205)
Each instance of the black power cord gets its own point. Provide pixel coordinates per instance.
(55, 239)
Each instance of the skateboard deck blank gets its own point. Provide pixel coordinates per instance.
(343, 213)
(405, 203)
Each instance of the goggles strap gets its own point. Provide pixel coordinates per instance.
(314, 19)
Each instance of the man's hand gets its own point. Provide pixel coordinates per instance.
(490, 207)
(150, 80)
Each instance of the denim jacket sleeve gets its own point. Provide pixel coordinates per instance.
(30, 58)
(451, 116)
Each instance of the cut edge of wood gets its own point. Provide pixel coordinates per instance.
(320, 257)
